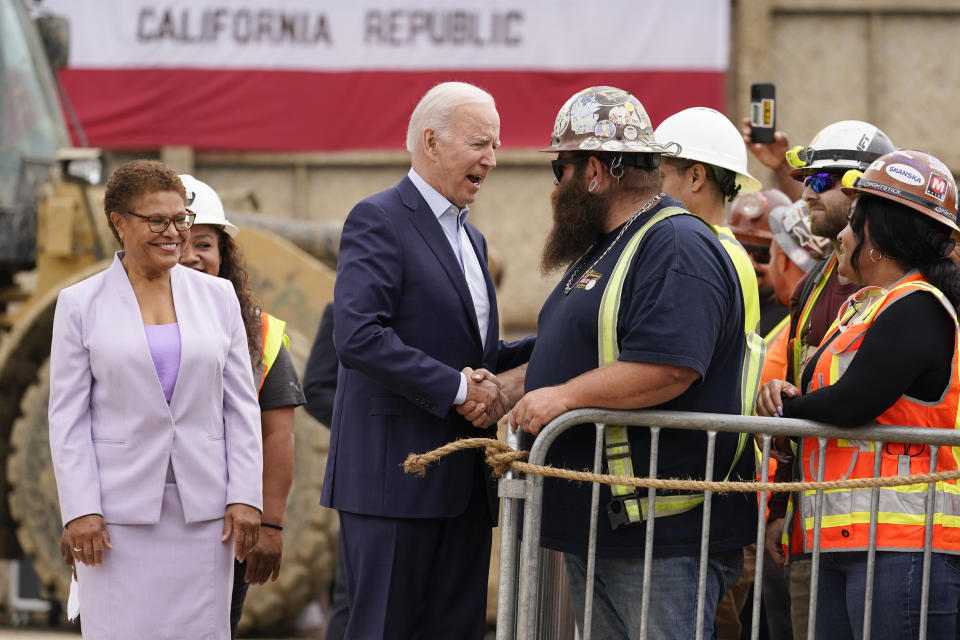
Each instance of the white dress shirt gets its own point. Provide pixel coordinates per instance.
(451, 219)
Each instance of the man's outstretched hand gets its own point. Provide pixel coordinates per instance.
(486, 400)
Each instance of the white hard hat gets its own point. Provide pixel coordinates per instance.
(848, 144)
(706, 135)
(203, 201)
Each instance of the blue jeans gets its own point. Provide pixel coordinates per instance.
(898, 579)
(618, 590)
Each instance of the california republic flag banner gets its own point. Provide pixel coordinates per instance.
(311, 75)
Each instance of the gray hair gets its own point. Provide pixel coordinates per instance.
(436, 107)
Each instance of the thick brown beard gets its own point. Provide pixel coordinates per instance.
(578, 222)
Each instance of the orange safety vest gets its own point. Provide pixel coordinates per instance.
(901, 518)
(273, 336)
(775, 359)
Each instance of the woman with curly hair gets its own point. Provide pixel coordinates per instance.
(154, 426)
(212, 250)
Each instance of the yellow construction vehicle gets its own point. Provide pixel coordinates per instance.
(53, 233)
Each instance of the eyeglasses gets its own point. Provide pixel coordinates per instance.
(760, 253)
(560, 162)
(159, 224)
(820, 182)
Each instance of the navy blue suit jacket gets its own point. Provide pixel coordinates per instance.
(405, 326)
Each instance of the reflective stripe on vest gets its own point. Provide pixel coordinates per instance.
(617, 450)
(798, 350)
(901, 515)
(272, 336)
(756, 345)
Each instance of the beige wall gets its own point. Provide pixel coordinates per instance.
(894, 63)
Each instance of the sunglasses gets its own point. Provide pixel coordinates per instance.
(760, 253)
(559, 163)
(159, 224)
(820, 182)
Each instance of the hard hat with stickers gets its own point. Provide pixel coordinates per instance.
(848, 144)
(604, 119)
(915, 179)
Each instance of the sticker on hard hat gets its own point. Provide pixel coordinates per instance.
(583, 114)
(630, 132)
(905, 174)
(879, 186)
(903, 157)
(876, 166)
(937, 187)
(590, 143)
(948, 214)
(605, 129)
(563, 121)
(619, 115)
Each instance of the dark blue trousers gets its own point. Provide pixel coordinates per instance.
(418, 578)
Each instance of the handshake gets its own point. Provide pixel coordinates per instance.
(489, 398)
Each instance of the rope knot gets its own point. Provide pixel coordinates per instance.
(499, 456)
(500, 460)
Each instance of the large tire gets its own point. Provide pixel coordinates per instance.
(310, 532)
(33, 490)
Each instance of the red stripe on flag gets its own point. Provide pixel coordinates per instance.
(301, 111)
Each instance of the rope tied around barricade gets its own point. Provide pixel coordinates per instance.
(502, 458)
(499, 456)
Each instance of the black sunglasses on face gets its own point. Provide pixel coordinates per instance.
(159, 224)
(558, 164)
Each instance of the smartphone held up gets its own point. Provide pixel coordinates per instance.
(763, 120)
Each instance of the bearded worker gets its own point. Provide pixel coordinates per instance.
(671, 337)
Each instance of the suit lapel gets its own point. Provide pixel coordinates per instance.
(429, 228)
(183, 309)
(128, 318)
(493, 327)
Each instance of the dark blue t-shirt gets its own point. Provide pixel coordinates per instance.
(681, 305)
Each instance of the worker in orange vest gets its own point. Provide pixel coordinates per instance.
(890, 357)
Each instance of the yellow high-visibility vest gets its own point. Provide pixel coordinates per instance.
(626, 506)
(272, 335)
(756, 344)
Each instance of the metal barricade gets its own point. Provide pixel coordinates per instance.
(520, 609)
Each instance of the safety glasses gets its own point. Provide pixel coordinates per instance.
(820, 182)
(560, 162)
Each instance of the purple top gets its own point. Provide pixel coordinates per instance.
(164, 343)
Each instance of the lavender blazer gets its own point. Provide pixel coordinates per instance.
(112, 433)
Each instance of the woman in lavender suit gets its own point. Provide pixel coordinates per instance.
(154, 426)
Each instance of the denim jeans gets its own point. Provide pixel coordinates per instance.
(618, 592)
(898, 579)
